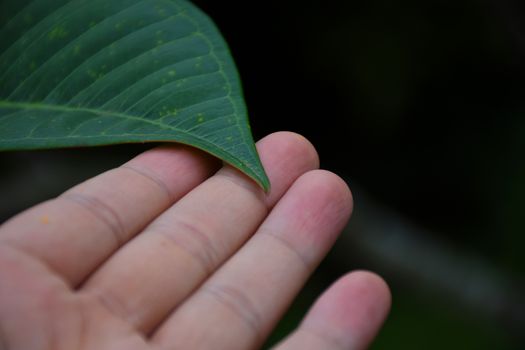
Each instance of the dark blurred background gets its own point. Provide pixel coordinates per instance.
(420, 106)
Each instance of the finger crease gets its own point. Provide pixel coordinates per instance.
(153, 178)
(288, 245)
(16, 248)
(193, 240)
(83, 335)
(237, 301)
(3, 339)
(102, 212)
(112, 304)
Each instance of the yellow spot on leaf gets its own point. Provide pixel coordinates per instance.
(161, 11)
(172, 73)
(93, 74)
(57, 32)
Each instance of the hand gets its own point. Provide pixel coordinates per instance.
(161, 253)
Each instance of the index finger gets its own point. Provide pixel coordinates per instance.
(75, 232)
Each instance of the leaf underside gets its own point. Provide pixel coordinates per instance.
(99, 72)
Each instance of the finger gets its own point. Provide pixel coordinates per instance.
(40, 311)
(347, 316)
(148, 277)
(24, 286)
(239, 305)
(75, 232)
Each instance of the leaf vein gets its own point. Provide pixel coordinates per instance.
(99, 52)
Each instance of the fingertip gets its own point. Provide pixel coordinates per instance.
(293, 143)
(325, 194)
(371, 282)
(285, 156)
(352, 310)
(335, 187)
(374, 294)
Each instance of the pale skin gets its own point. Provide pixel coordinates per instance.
(170, 252)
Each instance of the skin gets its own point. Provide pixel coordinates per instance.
(170, 251)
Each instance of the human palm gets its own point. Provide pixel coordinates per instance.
(166, 252)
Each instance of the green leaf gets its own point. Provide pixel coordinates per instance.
(99, 72)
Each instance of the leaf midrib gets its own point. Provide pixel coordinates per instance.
(62, 108)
